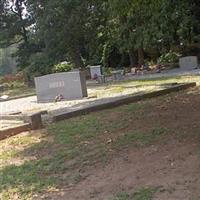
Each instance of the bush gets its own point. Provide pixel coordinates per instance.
(13, 85)
(40, 64)
(170, 57)
(12, 78)
(62, 67)
(107, 71)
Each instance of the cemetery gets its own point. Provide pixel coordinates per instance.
(99, 100)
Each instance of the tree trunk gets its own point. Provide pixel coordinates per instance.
(19, 9)
(76, 59)
(131, 57)
(140, 56)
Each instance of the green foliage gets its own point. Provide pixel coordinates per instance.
(40, 64)
(63, 67)
(13, 85)
(141, 138)
(99, 32)
(122, 196)
(170, 57)
(7, 61)
(142, 194)
(107, 71)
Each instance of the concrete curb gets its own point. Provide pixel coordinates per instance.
(8, 132)
(19, 97)
(119, 102)
(31, 122)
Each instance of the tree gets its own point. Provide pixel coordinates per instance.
(15, 23)
(95, 31)
(66, 27)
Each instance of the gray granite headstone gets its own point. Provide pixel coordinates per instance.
(189, 62)
(71, 85)
(95, 71)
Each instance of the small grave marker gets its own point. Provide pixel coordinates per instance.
(189, 62)
(95, 71)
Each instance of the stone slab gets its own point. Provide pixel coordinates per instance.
(71, 85)
(119, 101)
(189, 62)
(8, 132)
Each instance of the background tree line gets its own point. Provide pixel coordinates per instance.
(114, 33)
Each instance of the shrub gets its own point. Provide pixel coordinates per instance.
(170, 57)
(62, 67)
(13, 85)
(12, 78)
(40, 64)
(107, 71)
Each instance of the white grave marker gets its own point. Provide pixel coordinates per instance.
(95, 71)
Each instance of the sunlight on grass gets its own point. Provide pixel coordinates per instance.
(12, 146)
(141, 86)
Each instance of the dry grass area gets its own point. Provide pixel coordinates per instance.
(114, 88)
(18, 92)
(139, 86)
(149, 150)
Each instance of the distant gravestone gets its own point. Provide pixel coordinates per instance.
(189, 62)
(95, 71)
(69, 85)
(117, 75)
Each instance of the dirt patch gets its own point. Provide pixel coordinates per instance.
(174, 168)
(172, 164)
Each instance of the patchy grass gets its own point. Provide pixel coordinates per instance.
(13, 146)
(26, 178)
(64, 147)
(141, 194)
(36, 164)
(8, 154)
(166, 80)
(140, 138)
(122, 196)
(144, 194)
(140, 86)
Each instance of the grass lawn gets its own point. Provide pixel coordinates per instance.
(52, 163)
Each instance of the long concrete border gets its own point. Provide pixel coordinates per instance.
(8, 132)
(17, 97)
(119, 102)
(31, 122)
